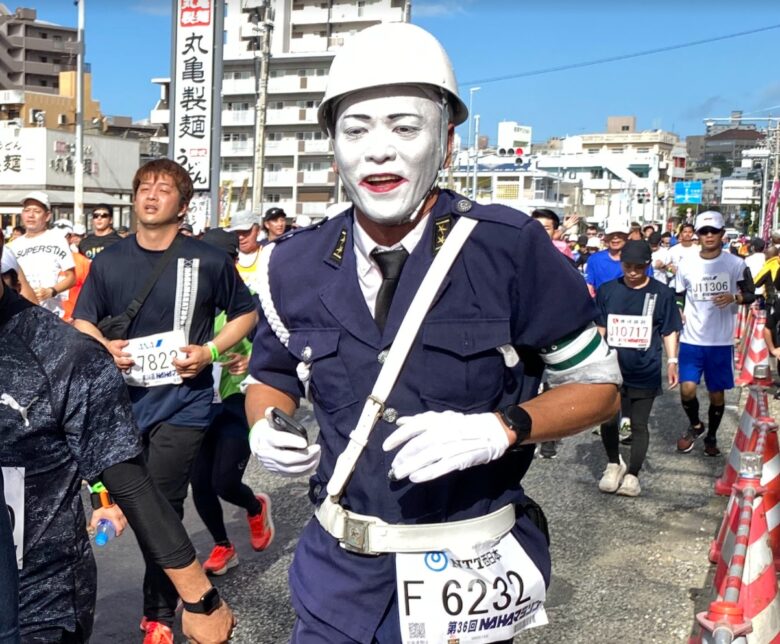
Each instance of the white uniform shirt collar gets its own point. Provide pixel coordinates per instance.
(368, 273)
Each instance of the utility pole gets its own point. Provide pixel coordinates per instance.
(261, 16)
(468, 142)
(476, 158)
(216, 120)
(78, 176)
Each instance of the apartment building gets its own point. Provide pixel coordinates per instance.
(33, 53)
(305, 36)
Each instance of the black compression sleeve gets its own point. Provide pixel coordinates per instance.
(747, 288)
(154, 521)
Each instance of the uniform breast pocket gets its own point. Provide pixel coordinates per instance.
(330, 384)
(463, 367)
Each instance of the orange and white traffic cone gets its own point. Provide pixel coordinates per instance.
(769, 447)
(757, 405)
(755, 367)
(723, 616)
(744, 340)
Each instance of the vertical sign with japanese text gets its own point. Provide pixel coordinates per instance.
(193, 71)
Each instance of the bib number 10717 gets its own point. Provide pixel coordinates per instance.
(491, 595)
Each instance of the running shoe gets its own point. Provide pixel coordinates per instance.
(711, 448)
(630, 486)
(625, 427)
(158, 633)
(613, 475)
(626, 440)
(261, 526)
(548, 450)
(686, 441)
(221, 559)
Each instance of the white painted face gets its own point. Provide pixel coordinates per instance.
(388, 149)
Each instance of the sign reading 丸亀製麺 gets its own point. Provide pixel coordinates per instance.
(192, 106)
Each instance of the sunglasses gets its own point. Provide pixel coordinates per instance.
(708, 230)
(100, 215)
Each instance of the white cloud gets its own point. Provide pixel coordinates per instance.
(153, 7)
(436, 9)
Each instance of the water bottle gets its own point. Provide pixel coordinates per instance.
(105, 532)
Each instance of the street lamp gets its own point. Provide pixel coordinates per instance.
(468, 142)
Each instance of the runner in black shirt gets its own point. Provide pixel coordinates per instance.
(638, 315)
(103, 234)
(65, 416)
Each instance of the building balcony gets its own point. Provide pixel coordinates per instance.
(310, 15)
(310, 177)
(290, 84)
(308, 43)
(291, 115)
(236, 149)
(280, 178)
(311, 208)
(353, 13)
(314, 147)
(285, 147)
(236, 176)
(233, 86)
(238, 117)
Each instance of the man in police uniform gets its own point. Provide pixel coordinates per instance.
(403, 551)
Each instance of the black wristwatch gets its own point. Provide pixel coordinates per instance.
(206, 604)
(518, 420)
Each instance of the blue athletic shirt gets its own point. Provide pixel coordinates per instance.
(198, 281)
(602, 268)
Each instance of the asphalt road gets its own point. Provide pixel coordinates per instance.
(624, 569)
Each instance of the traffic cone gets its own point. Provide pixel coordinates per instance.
(720, 616)
(770, 480)
(757, 405)
(758, 594)
(755, 366)
(744, 340)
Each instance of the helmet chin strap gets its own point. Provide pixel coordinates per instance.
(443, 139)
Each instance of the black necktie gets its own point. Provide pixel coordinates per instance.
(390, 263)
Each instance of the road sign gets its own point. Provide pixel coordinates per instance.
(687, 192)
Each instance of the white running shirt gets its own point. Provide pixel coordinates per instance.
(42, 259)
(702, 280)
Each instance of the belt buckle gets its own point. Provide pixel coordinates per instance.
(356, 536)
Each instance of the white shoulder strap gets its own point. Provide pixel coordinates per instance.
(266, 301)
(396, 357)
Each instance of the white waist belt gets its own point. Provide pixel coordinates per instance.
(371, 536)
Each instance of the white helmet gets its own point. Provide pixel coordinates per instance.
(390, 53)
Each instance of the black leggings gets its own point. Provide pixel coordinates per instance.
(219, 467)
(638, 409)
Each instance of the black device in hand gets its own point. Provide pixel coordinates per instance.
(285, 423)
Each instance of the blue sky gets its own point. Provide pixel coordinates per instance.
(128, 43)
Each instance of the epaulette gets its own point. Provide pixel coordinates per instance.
(493, 212)
(297, 231)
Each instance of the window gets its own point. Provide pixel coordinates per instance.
(624, 128)
(297, 34)
(593, 151)
(643, 150)
(273, 197)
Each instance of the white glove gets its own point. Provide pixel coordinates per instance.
(281, 452)
(444, 442)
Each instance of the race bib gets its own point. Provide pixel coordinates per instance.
(629, 331)
(153, 356)
(13, 491)
(490, 596)
(710, 286)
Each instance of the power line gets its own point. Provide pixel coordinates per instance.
(612, 59)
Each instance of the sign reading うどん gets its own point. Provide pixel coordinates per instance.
(193, 73)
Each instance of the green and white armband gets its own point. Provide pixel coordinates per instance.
(582, 357)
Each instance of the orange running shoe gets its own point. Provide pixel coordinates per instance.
(158, 633)
(221, 559)
(261, 526)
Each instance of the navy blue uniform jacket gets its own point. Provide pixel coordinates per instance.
(508, 285)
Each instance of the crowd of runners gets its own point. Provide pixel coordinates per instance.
(439, 340)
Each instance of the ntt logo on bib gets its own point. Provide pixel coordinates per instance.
(436, 561)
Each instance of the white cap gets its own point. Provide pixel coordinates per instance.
(709, 218)
(616, 225)
(572, 237)
(593, 242)
(243, 220)
(63, 225)
(40, 196)
(302, 220)
(79, 229)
